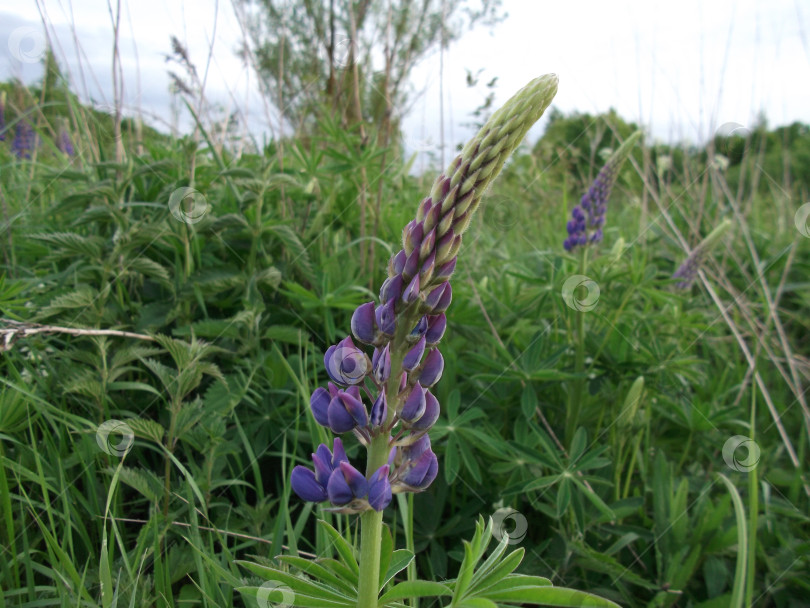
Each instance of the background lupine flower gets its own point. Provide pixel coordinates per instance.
(405, 328)
(24, 140)
(688, 270)
(2, 115)
(64, 144)
(588, 218)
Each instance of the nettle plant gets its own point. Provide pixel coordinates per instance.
(404, 330)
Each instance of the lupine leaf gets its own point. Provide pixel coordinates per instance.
(416, 588)
(342, 546)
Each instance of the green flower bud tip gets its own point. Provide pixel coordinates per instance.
(631, 403)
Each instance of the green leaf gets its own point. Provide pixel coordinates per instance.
(528, 402)
(399, 561)
(416, 588)
(342, 546)
(148, 429)
(319, 571)
(551, 596)
(298, 585)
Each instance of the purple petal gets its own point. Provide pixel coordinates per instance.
(355, 407)
(435, 296)
(338, 489)
(363, 325)
(397, 263)
(356, 480)
(304, 484)
(345, 363)
(445, 271)
(340, 420)
(432, 368)
(381, 364)
(322, 461)
(436, 324)
(444, 301)
(411, 264)
(414, 405)
(338, 453)
(319, 404)
(423, 472)
(417, 448)
(386, 317)
(379, 489)
(414, 356)
(431, 415)
(379, 411)
(391, 288)
(411, 293)
(413, 237)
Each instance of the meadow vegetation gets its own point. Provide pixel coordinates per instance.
(140, 462)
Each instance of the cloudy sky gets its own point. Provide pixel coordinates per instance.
(680, 69)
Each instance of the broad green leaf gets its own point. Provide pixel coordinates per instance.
(417, 588)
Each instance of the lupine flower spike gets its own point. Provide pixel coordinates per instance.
(64, 143)
(2, 115)
(588, 218)
(687, 272)
(24, 140)
(404, 329)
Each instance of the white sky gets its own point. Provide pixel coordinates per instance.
(680, 69)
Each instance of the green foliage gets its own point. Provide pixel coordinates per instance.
(228, 319)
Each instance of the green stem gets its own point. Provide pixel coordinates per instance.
(371, 521)
(575, 403)
(753, 509)
(371, 533)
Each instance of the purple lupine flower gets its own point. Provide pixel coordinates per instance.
(311, 485)
(415, 466)
(24, 140)
(406, 325)
(588, 218)
(2, 115)
(688, 270)
(379, 489)
(64, 144)
(345, 363)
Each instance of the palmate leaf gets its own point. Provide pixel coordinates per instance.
(302, 592)
(493, 583)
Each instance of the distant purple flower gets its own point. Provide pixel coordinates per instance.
(2, 117)
(64, 144)
(24, 140)
(588, 218)
(688, 270)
